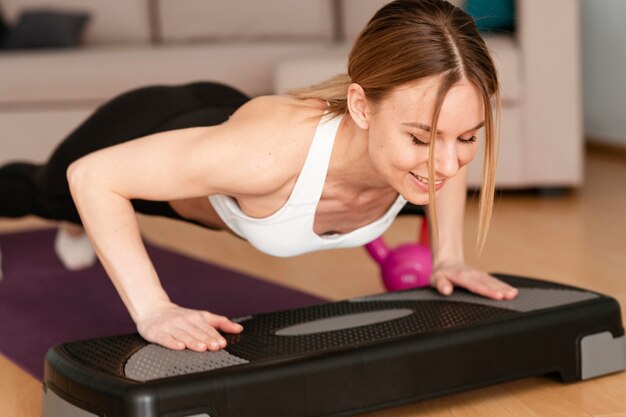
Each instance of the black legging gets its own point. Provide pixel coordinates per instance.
(42, 190)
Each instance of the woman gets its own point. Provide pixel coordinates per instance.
(328, 166)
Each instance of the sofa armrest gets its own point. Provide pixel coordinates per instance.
(549, 37)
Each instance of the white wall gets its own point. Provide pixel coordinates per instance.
(604, 69)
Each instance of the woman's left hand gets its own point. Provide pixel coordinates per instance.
(446, 275)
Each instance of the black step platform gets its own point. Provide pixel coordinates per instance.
(345, 358)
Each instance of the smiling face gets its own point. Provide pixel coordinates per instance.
(399, 135)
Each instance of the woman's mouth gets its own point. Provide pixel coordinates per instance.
(423, 181)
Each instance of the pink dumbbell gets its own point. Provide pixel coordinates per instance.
(407, 266)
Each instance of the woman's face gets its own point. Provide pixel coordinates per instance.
(399, 134)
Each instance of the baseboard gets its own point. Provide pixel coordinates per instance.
(604, 147)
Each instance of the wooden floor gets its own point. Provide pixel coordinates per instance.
(578, 238)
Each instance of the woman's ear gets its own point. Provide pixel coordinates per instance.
(358, 106)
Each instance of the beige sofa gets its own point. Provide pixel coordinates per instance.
(131, 43)
(265, 47)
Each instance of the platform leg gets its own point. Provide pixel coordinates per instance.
(602, 354)
(54, 406)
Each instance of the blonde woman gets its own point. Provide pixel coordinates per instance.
(325, 167)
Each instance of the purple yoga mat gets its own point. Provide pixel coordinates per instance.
(42, 304)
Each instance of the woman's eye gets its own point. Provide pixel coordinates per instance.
(420, 142)
(469, 140)
(417, 141)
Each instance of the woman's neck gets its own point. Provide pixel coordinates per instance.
(350, 162)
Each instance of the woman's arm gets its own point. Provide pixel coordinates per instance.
(168, 166)
(451, 269)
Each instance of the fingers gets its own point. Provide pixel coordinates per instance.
(201, 330)
(169, 342)
(200, 336)
(224, 324)
(443, 285)
(178, 328)
(182, 337)
(475, 281)
(494, 288)
(191, 341)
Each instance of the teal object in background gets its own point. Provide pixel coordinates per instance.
(492, 15)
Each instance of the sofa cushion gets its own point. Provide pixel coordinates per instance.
(76, 77)
(46, 29)
(309, 70)
(356, 14)
(244, 19)
(507, 56)
(111, 21)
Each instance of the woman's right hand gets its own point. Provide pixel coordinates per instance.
(177, 328)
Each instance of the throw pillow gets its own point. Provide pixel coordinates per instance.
(46, 29)
(492, 15)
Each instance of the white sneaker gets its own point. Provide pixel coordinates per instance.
(75, 252)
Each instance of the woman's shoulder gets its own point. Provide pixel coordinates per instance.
(285, 110)
(274, 134)
(285, 124)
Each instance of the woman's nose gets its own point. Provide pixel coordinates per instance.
(446, 160)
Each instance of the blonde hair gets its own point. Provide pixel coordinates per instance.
(405, 41)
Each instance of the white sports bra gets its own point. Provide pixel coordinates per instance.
(289, 231)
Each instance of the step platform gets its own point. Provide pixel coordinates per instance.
(347, 357)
